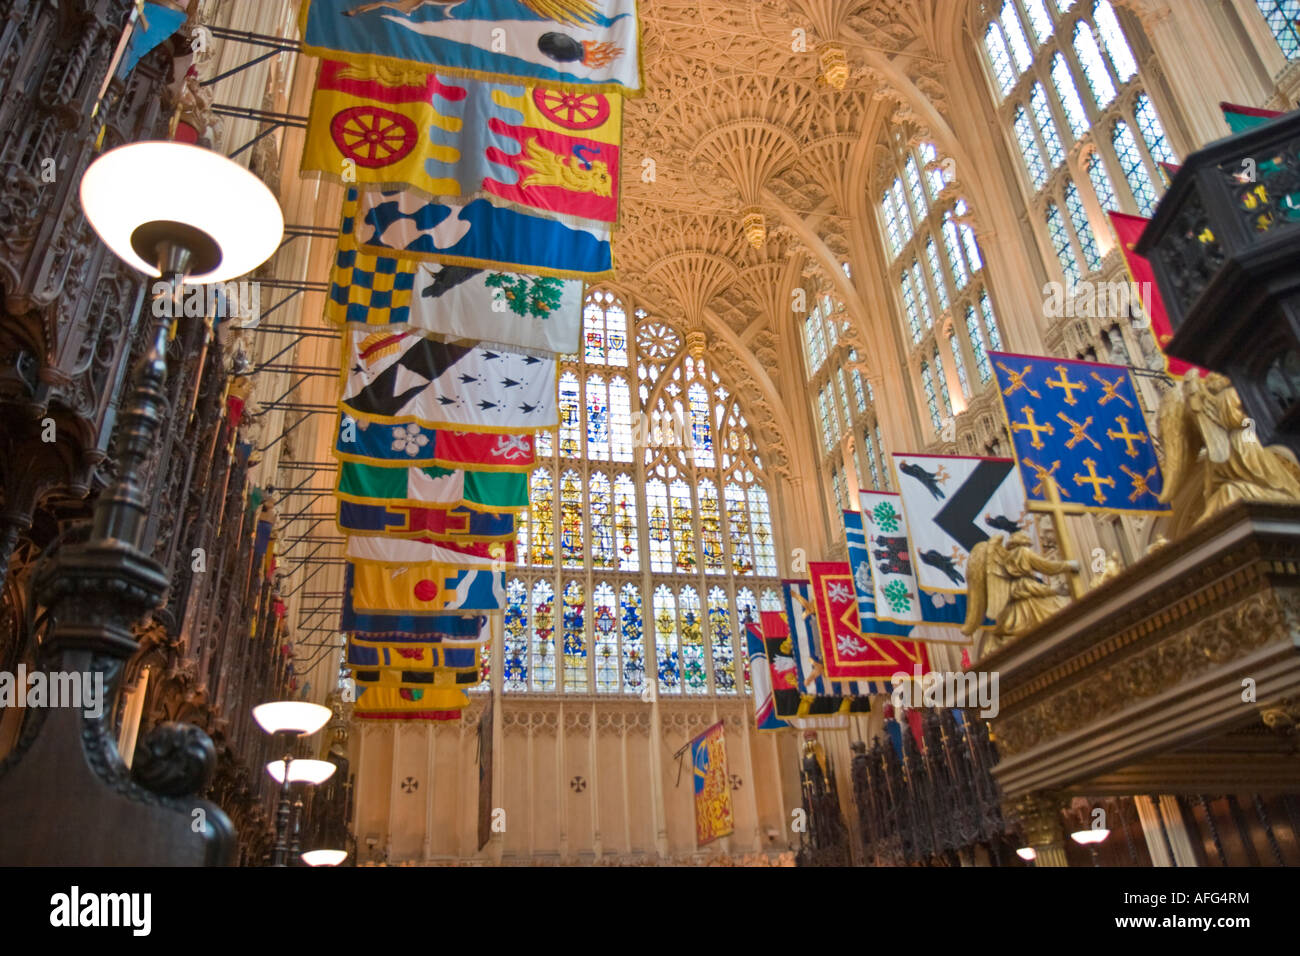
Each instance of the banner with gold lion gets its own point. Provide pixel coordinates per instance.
(533, 147)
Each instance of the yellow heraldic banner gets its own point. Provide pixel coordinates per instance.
(424, 588)
(535, 148)
(714, 816)
(377, 702)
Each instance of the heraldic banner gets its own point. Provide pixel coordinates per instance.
(713, 812)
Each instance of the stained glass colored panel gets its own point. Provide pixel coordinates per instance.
(694, 675)
(711, 528)
(665, 610)
(543, 637)
(683, 518)
(599, 510)
(570, 417)
(632, 627)
(625, 526)
(541, 497)
(571, 508)
(701, 426)
(620, 419)
(605, 628)
(575, 639)
(760, 516)
(515, 656)
(742, 553)
(658, 527)
(597, 419)
(724, 653)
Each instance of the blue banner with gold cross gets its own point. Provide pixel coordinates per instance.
(1081, 425)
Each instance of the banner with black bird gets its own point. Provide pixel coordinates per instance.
(403, 377)
(581, 45)
(1080, 426)
(952, 504)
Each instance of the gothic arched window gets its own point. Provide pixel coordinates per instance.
(647, 510)
(1282, 17)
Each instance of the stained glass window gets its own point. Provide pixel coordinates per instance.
(700, 509)
(936, 274)
(1135, 170)
(1082, 230)
(715, 560)
(933, 170)
(1153, 133)
(1069, 96)
(943, 383)
(837, 487)
(829, 436)
(665, 609)
(571, 508)
(1034, 164)
(724, 654)
(1094, 67)
(905, 224)
(1040, 20)
(570, 416)
(814, 341)
(959, 366)
(661, 549)
(990, 323)
(869, 450)
(1101, 182)
(597, 419)
(1046, 125)
(931, 398)
(575, 639)
(605, 627)
(976, 337)
(1282, 17)
(633, 628)
(543, 636)
(624, 530)
(858, 393)
(1015, 35)
(694, 673)
(701, 428)
(911, 310)
(890, 218)
(999, 58)
(1113, 39)
(761, 525)
(952, 246)
(515, 676)
(683, 522)
(542, 516)
(1056, 231)
(924, 299)
(914, 188)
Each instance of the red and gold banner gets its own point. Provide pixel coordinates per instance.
(714, 816)
(847, 653)
(1129, 229)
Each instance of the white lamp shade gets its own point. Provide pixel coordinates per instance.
(324, 857)
(1027, 853)
(158, 181)
(291, 716)
(1085, 837)
(302, 771)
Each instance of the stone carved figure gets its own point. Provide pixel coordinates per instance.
(1004, 585)
(1205, 415)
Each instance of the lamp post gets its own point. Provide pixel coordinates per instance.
(185, 215)
(286, 721)
(1092, 838)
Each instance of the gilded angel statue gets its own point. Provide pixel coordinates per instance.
(1206, 414)
(1004, 585)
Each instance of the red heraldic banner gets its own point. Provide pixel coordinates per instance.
(713, 813)
(1129, 229)
(847, 653)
